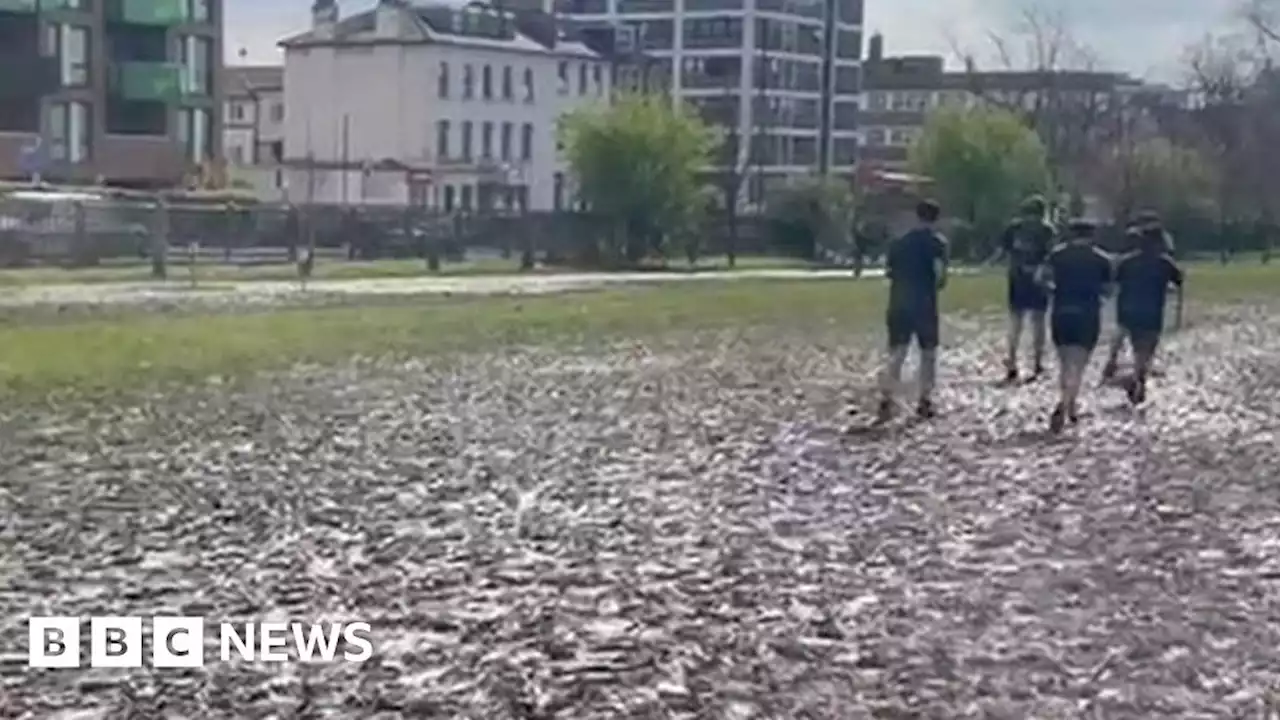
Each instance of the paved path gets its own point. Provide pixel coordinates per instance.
(268, 290)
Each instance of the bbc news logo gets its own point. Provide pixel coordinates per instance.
(179, 642)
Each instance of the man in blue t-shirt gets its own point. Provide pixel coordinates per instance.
(1144, 279)
(1078, 275)
(916, 265)
(1025, 245)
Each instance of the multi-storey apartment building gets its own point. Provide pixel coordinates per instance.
(445, 106)
(1069, 107)
(754, 67)
(123, 91)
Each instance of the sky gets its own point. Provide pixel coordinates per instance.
(1147, 38)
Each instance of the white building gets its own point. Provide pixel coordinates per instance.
(755, 66)
(253, 127)
(442, 106)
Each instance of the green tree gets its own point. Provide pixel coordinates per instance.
(983, 162)
(811, 217)
(637, 162)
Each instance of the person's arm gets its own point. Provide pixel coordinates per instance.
(890, 260)
(941, 259)
(1003, 248)
(1044, 273)
(1176, 276)
(1109, 272)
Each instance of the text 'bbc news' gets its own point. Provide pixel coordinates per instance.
(179, 642)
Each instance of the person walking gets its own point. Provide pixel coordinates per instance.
(1144, 279)
(916, 265)
(1077, 275)
(1026, 244)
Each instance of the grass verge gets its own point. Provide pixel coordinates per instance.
(124, 351)
(334, 270)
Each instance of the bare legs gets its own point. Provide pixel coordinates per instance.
(1017, 319)
(1072, 362)
(892, 377)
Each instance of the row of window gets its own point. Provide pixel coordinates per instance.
(924, 100)
(70, 45)
(892, 137)
(505, 149)
(467, 197)
(239, 111)
(590, 76)
(70, 132)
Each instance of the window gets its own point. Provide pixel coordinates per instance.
(508, 83)
(449, 199)
(235, 154)
(597, 77)
(194, 132)
(466, 198)
(486, 82)
(198, 10)
(197, 64)
(528, 85)
(68, 132)
(558, 198)
(442, 139)
(486, 140)
(277, 112)
(508, 130)
(875, 137)
(70, 43)
(466, 139)
(876, 100)
(526, 142)
(235, 112)
(582, 79)
(442, 83)
(562, 71)
(468, 82)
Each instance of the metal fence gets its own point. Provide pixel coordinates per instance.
(89, 231)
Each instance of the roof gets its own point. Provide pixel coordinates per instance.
(928, 73)
(247, 79)
(474, 26)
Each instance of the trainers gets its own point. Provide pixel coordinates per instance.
(884, 413)
(1058, 419)
(926, 409)
(1011, 376)
(1038, 374)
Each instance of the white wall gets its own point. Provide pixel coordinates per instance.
(389, 95)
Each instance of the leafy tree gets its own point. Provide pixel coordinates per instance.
(983, 162)
(812, 217)
(637, 162)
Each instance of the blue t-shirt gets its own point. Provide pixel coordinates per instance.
(912, 265)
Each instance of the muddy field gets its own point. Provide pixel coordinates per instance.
(668, 533)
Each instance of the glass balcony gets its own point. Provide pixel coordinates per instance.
(148, 12)
(148, 81)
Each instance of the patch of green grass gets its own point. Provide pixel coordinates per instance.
(332, 270)
(123, 351)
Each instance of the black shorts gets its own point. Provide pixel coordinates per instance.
(1025, 295)
(1144, 330)
(1076, 329)
(909, 324)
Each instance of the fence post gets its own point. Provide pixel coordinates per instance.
(160, 240)
(80, 245)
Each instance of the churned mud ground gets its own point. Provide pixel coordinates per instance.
(670, 532)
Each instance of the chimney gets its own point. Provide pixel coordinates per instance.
(388, 20)
(875, 48)
(324, 17)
